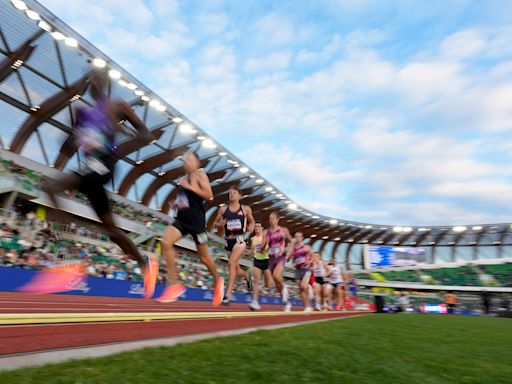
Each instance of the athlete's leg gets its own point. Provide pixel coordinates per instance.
(204, 256)
(171, 236)
(256, 273)
(233, 266)
(268, 278)
(277, 275)
(53, 187)
(304, 284)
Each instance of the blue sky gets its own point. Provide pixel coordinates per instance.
(393, 112)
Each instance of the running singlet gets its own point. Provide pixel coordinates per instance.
(235, 222)
(257, 244)
(300, 257)
(335, 276)
(190, 208)
(318, 269)
(276, 242)
(96, 138)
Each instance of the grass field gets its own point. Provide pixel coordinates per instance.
(403, 348)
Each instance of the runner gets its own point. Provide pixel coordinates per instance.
(194, 189)
(275, 239)
(336, 282)
(301, 255)
(320, 270)
(238, 224)
(95, 134)
(260, 260)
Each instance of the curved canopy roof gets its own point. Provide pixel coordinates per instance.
(43, 65)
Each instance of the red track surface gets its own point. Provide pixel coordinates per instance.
(29, 338)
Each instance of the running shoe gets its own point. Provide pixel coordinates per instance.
(287, 307)
(338, 307)
(255, 306)
(171, 293)
(308, 309)
(284, 294)
(150, 276)
(53, 280)
(218, 294)
(318, 308)
(226, 301)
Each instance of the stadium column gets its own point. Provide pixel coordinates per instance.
(10, 200)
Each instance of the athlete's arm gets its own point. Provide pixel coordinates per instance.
(250, 218)
(202, 188)
(126, 113)
(219, 221)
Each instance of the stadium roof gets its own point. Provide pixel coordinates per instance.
(43, 65)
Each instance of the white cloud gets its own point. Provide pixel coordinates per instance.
(273, 61)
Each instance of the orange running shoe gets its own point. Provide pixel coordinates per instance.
(218, 294)
(53, 280)
(150, 276)
(171, 293)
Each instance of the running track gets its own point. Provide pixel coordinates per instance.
(18, 339)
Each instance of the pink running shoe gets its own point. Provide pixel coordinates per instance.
(218, 294)
(54, 280)
(171, 293)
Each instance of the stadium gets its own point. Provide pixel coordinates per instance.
(425, 303)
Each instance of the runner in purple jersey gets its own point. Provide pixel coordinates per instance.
(276, 239)
(302, 256)
(95, 136)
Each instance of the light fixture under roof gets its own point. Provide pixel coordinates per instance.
(138, 162)
(58, 36)
(113, 73)
(70, 42)
(187, 128)
(477, 228)
(313, 235)
(333, 221)
(177, 119)
(244, 169)
(100, 63)
(325, 237)
(459, 229)
(368, 227)
(154, 103)
(259, 181)
(160, 108)
(337, 238)
(132, 86)
(423, 229)
(292, 206)
(122, 83)
(139, 92)
(406, 229)
(45, 26)
(268, 189)
(252, 176)
(279, 195)
(223, 153)
(33, 14)
(19, 4)
(316, 217)
(209, 143)
(397, 229)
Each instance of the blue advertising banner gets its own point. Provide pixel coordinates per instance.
(11, 279)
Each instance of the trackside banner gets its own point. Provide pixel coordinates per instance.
(11, 279)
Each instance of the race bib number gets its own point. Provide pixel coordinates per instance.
(274, 250)
(234, 225)
(258, 248)
(94, 165)
(300, 260)
(181, 201)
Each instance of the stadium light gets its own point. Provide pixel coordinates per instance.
(292, 206)
(325, 237)
(337, 238)
(154, 103)
(313, 236)
(279, 195)
(244, 169)
(397, 229)
(114, 74)
(368, 226)
(268, 189)
(223, 153)
(177, 119)
(44, 25)
(122, 83)
(100, 63)
(406, 229)
(259, 181)
(459, 229)
(477, 228)
(132, 86)
(333, 221)
(144, 97)
(19, 5)
(32, 14)
(316, 217)
(58, 36)
(209, 143)
(139, 92)
(187, 128)
(423, 229)
(70, 42)
(160, 108)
